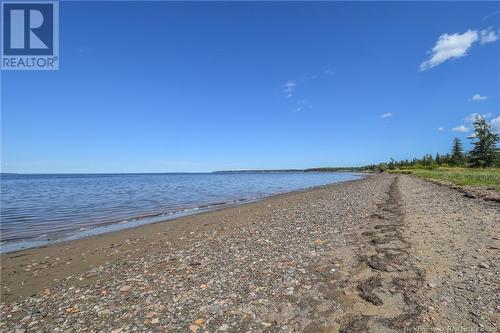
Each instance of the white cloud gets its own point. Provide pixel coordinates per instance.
(460, 128)
(289, 88)
(478, 97)
(386, 115)
(449, 47)
(473, 116)
(440, 129)
(471, 136)
(488, 36)
(329, 72)
(487, 17)
(495, 124)
(302, 106)
(456, 45)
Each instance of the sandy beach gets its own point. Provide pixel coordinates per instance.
(385, 253)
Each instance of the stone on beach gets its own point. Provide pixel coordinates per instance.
(125, 288)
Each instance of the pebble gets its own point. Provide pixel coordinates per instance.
(125, 288)
(150, 314)
(223, 327)
(484, 265)
(318, 242)
(104, 312)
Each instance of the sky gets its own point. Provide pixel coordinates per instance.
(193, 87)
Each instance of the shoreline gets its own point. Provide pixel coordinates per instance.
(141, 220)
(69, 250)
(389, 252)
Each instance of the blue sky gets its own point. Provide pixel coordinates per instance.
(159, 86)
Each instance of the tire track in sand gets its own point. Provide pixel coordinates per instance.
(386, 279)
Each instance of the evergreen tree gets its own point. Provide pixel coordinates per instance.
(391, 165)
(485, 151)
(457, 152)
(382, 167)
(447, 158)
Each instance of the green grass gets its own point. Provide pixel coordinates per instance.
(489, 177)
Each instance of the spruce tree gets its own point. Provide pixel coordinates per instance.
(438, 159)
(485, 151)
(457, 152)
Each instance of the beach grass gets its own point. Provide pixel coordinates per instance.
(488, 177)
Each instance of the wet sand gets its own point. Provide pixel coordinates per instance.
(385, 253)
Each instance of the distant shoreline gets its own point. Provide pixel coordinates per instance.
(322, 169)
(319, 169)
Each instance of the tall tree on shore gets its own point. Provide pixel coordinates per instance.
(485, 151)
(457, 152)
(438, 159)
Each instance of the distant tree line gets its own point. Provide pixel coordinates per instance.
(484, 153)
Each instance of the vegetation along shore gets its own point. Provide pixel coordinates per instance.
(478, 167)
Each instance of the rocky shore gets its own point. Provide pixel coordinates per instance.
(383, 254)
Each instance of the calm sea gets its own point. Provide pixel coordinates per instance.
(41, 209)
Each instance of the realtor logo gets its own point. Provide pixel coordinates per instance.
(30, 37)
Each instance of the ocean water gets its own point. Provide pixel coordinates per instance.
(40, 209)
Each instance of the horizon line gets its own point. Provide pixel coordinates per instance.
(175, 172)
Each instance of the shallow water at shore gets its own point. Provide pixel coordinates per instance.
(41, 209)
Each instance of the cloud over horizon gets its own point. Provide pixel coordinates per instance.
(495, 124)
(473, 116)
(386, 115)
(461, 128)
